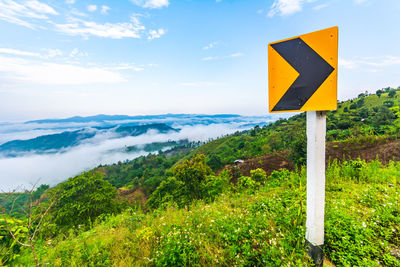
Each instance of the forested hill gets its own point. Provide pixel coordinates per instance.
(366, 121)
(190, 205)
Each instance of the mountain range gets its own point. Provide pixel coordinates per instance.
(57, 142)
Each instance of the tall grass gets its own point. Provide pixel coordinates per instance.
(264, 227)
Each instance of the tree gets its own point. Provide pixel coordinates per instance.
(192, 173)
(392, 93)
(39, 191)
(255, 130)
(214, 161)
(388, 103)
(169, 190)
(299, 150)
(360, 102)
(190, 177)
(364, 112)
(83, 198)
(384, 116)
(275, 140)
(379, 93)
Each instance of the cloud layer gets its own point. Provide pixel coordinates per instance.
(54, 168)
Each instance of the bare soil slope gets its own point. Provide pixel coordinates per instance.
(340, 151)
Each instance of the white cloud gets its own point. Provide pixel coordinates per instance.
(14, 12)
(91, 8)
(233, 55)
(348, 64)
(238, 54)
(318, 7)
(126, 66)
(41, 8)
(76, 12)
(70, 2)
(18, 52)
(286, 7)
(151, 3)
(77, 53)
(107, 30)
(210, 45)
(383, 61)
(56, 74)
(209, 58)
(53, 53)
(155, 34)
(50, 53)
(104, 9)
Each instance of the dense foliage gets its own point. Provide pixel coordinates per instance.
(250, 227)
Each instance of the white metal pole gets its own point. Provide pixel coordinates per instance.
(316, 132)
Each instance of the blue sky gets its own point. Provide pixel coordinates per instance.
(65, 58)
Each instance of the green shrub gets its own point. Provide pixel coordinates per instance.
(258, 175)
(214, 186)
(245, 182)
(169, 191)
(9, 248)
(83, 198)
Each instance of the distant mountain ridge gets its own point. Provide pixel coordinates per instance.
(57, 142)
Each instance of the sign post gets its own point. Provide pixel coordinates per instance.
(316, 129)
(302, 76)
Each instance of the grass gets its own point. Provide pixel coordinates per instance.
(262, 227)
(372, 101)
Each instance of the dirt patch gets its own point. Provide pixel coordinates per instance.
(345, 151)
(268, 163)
(341, 151)
(132, 196)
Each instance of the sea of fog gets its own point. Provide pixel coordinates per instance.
(24, 171)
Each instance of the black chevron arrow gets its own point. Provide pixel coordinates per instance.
(313, 70)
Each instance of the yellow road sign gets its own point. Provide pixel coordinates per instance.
(302, 72)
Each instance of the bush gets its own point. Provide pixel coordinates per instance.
(82, 199)
(245, 182)
(9, 248)
(169, 191)
(214, 186)
(298, 156)
(388, 103)
(258, 175)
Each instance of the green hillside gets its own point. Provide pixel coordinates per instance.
(185, 207)
(247, 226)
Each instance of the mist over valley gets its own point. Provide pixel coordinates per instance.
(52, 150)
